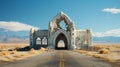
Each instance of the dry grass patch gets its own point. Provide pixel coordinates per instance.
(9, 46)
(33, 51)
(4, 53)
(103, 51)
(15, 55)
(109, 52)
(96, 54)
(42, 49)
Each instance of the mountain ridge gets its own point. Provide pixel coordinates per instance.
(14, 38)
(107, 39)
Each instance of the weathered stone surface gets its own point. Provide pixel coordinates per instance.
(72, 38)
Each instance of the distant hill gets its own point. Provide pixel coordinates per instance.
(108, 39)
(25, 39)
(14, 39)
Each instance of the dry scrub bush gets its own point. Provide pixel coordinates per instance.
(13, 52)
(4, 46)
(4, 53)
(32, 51)
(42, 49)
(103, 51)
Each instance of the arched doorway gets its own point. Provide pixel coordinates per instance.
(38, 41)
(60, 37)
(60, 28)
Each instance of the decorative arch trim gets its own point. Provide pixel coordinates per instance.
(66, 34)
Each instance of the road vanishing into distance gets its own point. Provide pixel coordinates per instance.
(58, 58)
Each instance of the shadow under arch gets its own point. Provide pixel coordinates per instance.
(61, 36)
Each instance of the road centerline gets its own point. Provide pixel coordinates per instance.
(61, 59)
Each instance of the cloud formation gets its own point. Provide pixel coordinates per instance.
(114, 32)
(15, 26)
(111, 10)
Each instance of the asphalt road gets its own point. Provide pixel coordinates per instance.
(58, 58)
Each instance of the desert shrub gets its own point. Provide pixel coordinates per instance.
(42, 49)
(32, 51)
(103, 51)
(13, 52)
(4, 52)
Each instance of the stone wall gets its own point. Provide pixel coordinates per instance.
(72, 37)
(39, 38)
(82, 38)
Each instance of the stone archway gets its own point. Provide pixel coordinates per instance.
(55, 30)
(61, 36)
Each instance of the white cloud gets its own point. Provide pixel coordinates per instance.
(15, 26)
(114, 32)
(111, 10)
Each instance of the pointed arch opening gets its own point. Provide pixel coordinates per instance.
(38, 41)
(64, 43)
(44, 41)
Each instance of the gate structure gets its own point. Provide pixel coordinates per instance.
(72, 38)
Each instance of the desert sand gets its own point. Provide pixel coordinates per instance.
(109, 52)
(9, 52)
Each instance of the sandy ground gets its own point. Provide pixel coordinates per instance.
(10, 46)
(8, 52)
(59, 58)
(112, 55)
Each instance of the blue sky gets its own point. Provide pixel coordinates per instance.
(102, 16)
